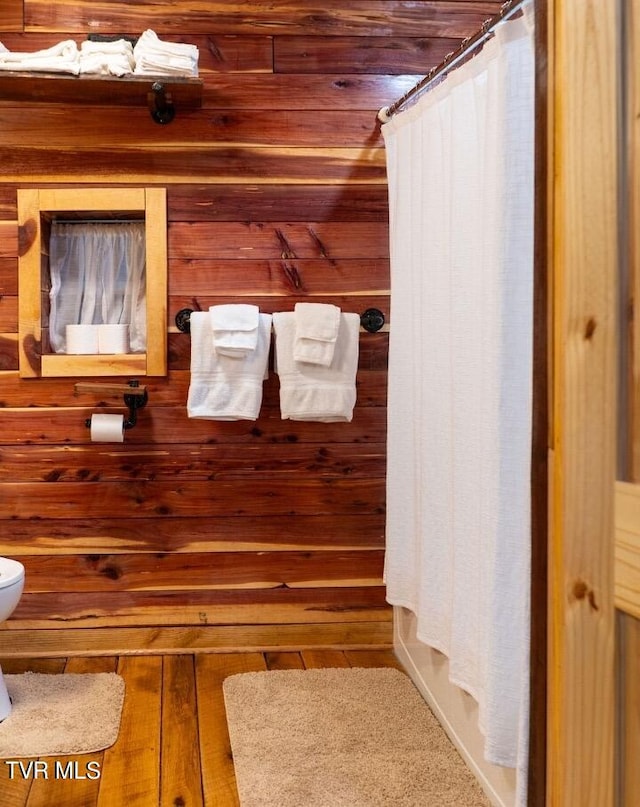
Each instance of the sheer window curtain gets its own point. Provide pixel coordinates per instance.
(97, 277)
(460, 170)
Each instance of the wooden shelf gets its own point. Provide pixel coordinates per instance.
(61, 88)
(59, 364)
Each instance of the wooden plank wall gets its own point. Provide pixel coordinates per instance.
(200, 534)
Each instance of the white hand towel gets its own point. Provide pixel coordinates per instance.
(311, 391)
(317, 327)
(235, 329)
(224, 388)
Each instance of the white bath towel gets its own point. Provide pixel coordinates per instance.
(60, 58)
(225, 388)
(317, 327)
(310, 391)
(234, 329)
(154, 56)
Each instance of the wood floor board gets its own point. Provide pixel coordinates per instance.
(314, 659)
(15, 666)
(284, 661)
(372, 658)
(173, 747)
(218, 777)
(180, 774)
(131, 769)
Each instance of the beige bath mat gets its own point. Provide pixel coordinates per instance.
(61, 714)
(354, 737)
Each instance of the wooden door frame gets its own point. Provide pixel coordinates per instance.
(582, 249)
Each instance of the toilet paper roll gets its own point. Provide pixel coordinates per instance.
(107, 428)
(113, 338)
(82, 339)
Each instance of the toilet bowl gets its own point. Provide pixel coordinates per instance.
(11, 585)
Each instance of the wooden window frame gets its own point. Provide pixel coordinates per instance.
(36, 207)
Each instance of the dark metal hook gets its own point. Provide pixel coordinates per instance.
(133, 401)
(372, 320)
(160, 106)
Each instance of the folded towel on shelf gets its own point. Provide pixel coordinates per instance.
(88, 46)
(154, 56)
(63, 57)
(222, 387)
(311, 391)
(107, 58)
(235, 328)
(317, 327)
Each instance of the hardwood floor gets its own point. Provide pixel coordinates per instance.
(173, 747)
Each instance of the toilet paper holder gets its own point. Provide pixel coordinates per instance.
(135, 397)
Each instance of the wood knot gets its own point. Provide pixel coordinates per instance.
(590, 328)
(27, 234)
(581, 591)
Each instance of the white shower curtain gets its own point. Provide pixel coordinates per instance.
(460, 168)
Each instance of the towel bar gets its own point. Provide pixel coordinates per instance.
(371, 320)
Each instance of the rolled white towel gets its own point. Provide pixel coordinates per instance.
(67, 49)
(42, 66)
(60, 58)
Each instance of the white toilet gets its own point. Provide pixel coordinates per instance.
(11, 585)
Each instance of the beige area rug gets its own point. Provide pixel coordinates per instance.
(72, 713)
(355, 737)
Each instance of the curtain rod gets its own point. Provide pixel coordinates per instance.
(56, 220)
(451, 59)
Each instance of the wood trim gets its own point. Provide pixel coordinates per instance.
(627, 549)
(33, 203)
(29, 310)
(629, 698)
(536, 782)
(156, 240)
(582, 47)
(191, 639)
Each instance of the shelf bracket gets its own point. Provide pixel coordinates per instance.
(160, 106)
